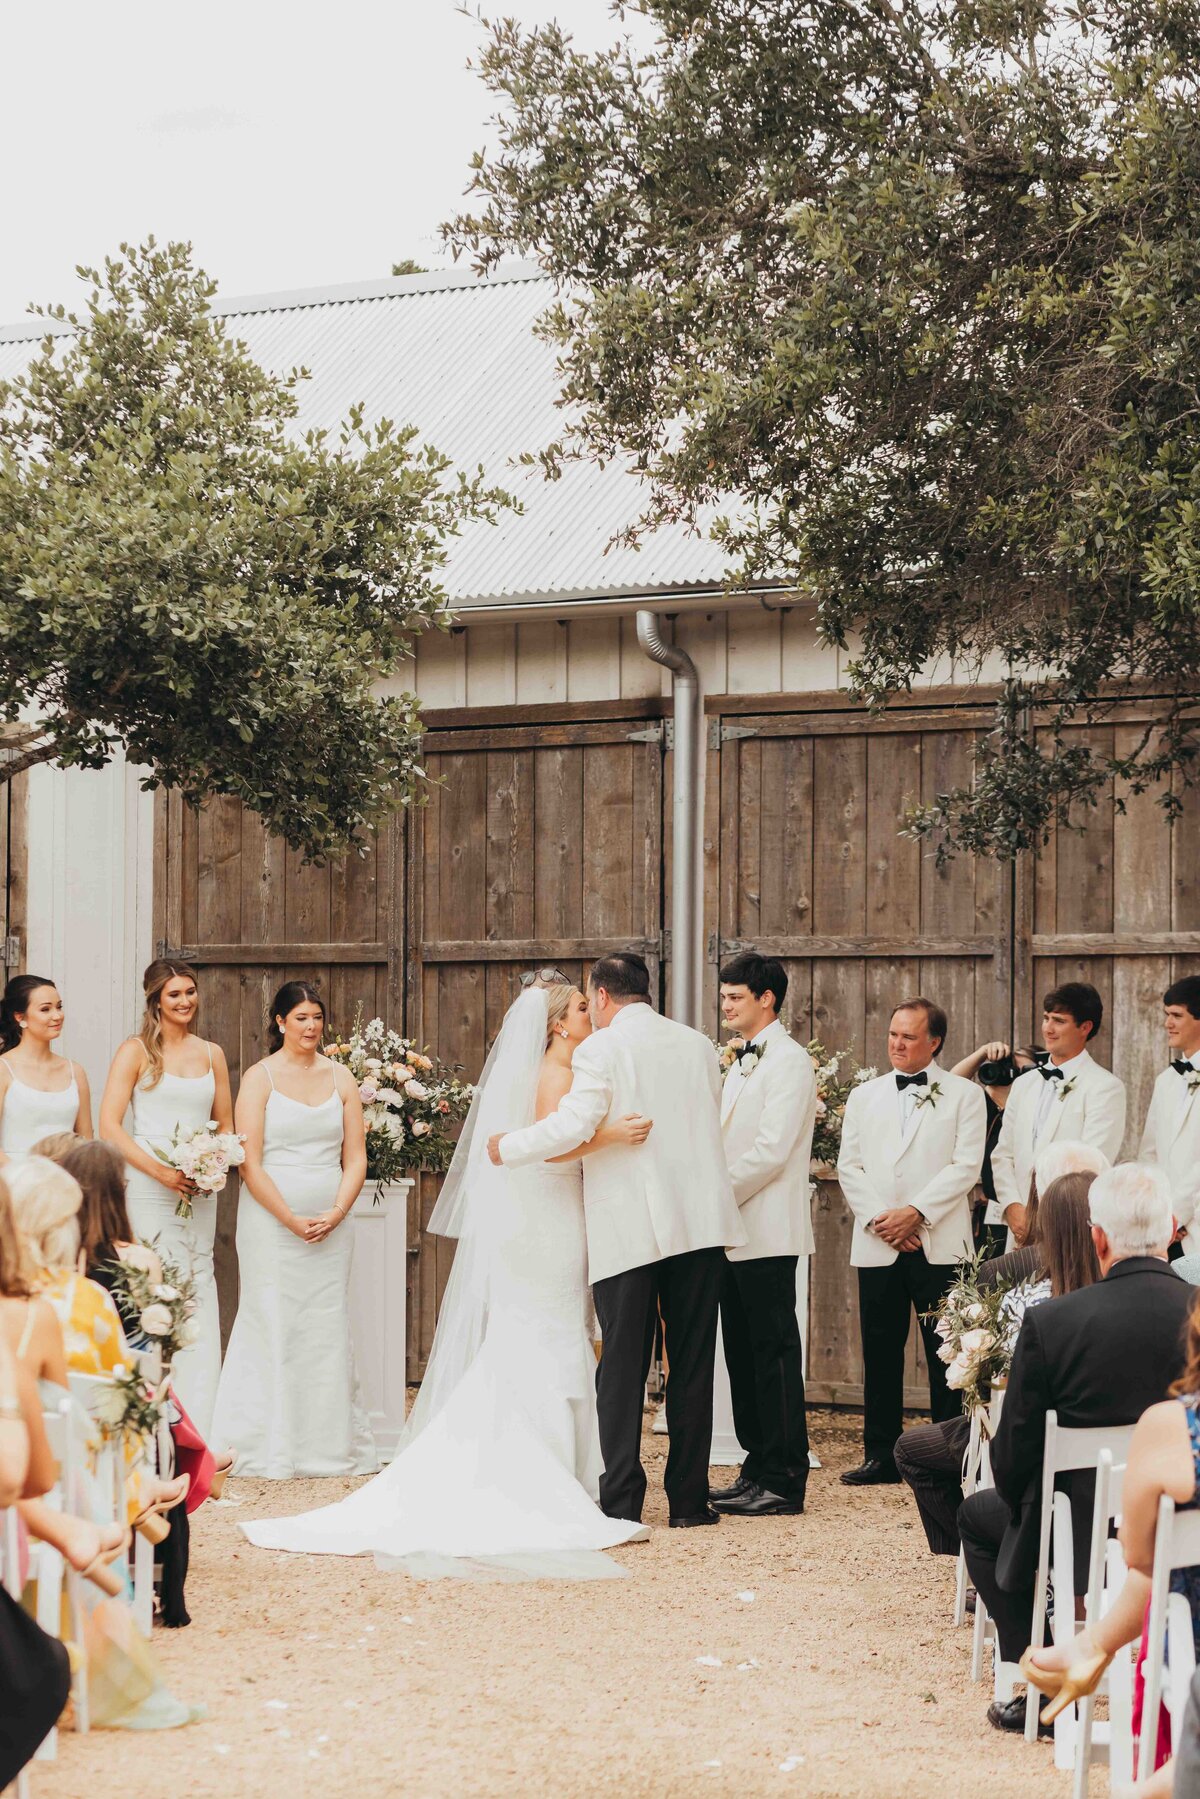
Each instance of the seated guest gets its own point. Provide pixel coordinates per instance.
(1164, 1459)
(46, 1202)
(107, 1238)
(1096, 1357)
(929, 1457)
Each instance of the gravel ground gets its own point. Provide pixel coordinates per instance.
(840, 1676)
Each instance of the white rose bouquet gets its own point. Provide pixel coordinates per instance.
(133, 1407)
(205, 1157)
(978, 1329)
(155, 1298)
(411, 1101)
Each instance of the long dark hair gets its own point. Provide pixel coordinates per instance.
(1064, 1236)
(290, 995)
(17, 996)
(103, 1217)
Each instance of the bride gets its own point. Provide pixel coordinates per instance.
(498, 1468)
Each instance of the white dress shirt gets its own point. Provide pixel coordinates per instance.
(1051, 1089)
(910, 1096)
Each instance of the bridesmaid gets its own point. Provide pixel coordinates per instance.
(168, 1077)
(288, 1401)
(35, 1100)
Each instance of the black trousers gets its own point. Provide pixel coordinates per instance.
(688, 1289)
(765, 1359)
(982, 1522)
(886, 1299)
(930, 1459)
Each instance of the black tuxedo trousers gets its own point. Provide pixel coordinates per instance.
(687, 1288)
(765, 1359)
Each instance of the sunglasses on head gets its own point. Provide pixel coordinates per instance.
(549, 977)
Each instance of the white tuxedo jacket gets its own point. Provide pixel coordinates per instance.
(768, 1110)
(663, 1197)
(1093, 1113)
(933, 1165)
(1172, 1138)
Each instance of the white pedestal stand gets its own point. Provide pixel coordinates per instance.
(378, 1298)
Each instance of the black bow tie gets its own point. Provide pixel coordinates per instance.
(911, 1080)
(1184, 1065)
(1049, 1074)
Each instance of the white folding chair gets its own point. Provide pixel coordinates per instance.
(1004, 1674)
(92, 1391)
(970, 1482)
(1109, 1741)
(1176, 1545)
(1067, 1451)
(54, 1573)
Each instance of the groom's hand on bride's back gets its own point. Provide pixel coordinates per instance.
(494, 1148)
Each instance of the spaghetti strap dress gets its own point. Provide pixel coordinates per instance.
(181, 1102)
(288, 1401)
(29, 1114)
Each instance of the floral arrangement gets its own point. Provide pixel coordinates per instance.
(978, 1327)
(836, 1073)
(411, 1101)
(132, 1407)
(155, 1290)
(205, 1157)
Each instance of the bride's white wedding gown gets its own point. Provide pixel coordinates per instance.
(506, 1472)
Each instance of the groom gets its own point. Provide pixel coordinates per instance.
(659, 1219)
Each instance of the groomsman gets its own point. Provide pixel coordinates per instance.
(1069, 1096)
(912, 1148)
(1172, 1133)
(768, 1109)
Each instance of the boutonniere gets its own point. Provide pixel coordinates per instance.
(1193, 1081)
(739, 1051)
(1067, 1088)
(930, 1096)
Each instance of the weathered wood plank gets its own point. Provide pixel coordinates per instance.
(839, 947)
(506, 718)
(536, 737)
(219, 955)
(1093, 943)
(530, 949)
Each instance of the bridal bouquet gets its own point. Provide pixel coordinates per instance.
(411, 1101)
(204, 1156)
(149, 1287)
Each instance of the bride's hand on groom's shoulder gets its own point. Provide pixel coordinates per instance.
(493, 1148)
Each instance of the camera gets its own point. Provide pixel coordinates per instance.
(1000, 1073)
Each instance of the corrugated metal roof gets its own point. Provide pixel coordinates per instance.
(457, 357)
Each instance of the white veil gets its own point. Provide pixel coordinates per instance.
(473, 1200)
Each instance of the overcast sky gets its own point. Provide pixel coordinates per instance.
(295, 145)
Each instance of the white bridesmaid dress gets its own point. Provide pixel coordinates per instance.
(29, 1114)
(181, 1100)
(288, 1402)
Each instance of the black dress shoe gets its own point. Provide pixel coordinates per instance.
(738, 1487)
(710, 1515)
(874, 1472)
(757, 1502)
(1011, 1716)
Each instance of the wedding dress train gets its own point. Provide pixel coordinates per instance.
(498, 1472)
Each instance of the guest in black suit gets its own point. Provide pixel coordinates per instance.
(1096, 1357)
(930, 1457)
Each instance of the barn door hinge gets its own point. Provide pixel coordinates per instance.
(719, 732)
(651, 734)
(167, 952)
(665, 943)
(12, 951)
(712, 947)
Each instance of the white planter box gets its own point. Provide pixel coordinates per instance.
(378, 1298)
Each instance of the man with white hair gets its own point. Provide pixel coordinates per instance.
(929, 1457)
(1097, 1357)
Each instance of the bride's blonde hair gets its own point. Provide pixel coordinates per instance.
(558, 1003)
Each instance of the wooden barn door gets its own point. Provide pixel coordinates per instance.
(540, 844)
(1117, 904)
(239, 905)
(810, 868)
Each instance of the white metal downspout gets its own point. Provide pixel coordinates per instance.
(685, 819)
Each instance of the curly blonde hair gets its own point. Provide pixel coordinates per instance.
(150, 1036)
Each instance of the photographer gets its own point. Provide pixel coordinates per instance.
(995, 1066)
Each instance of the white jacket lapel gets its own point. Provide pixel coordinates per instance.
(918, 1111)
(1179, 1115)
(743, 1072)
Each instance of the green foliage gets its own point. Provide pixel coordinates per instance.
(409, 267)
(185, 576)
(913, 286)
